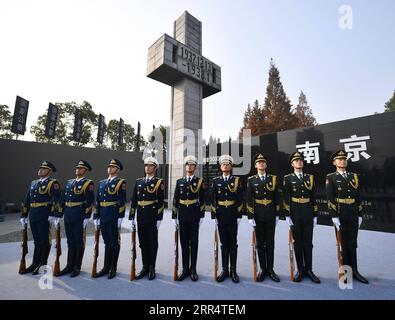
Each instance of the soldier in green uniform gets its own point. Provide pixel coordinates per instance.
(263, 206)
(147, 200)
(301, 215)
(226, 212)
(188, 214)
(345, 207)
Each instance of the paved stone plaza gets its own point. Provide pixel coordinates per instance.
(376, 262)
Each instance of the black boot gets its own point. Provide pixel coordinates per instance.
(224, 274)
(185, 273)
(151, 273)
(36, 260)
(225, 265)
(142, 273)
(44, 253)
(194, 276)
(270, 261)
(298, 277)
(77, 262)
(114, 262)
(107, 261)
(313, 277)
(233, 262)
(262, 263)
(308, 258)
(354, 265)
(144, 270)
(70, 262)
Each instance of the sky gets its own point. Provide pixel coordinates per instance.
(76, 50)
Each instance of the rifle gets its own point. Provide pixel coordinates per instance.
(291, 254)
(254, 264)
(22, 264)
(133, 268)
(215, 253)
(56, 268)
(339, 252)
(96, 251)
(175, 269)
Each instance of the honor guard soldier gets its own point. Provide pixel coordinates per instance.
(110, 206)
(77, 205)
(301, 215)
(263, 206)
(343, 195)
(226, 212)
(188, 214)
(41, 204)
(147, 200)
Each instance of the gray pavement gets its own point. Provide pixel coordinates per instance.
(376, 262)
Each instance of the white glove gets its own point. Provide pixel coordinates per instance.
(289, 221)
(119, 222)
(96, 222)
(200, 221)
(56, 223)
(84, 223)
(359, 221)
(336, 223)
(132, 224)
(158, 224)
(23, 222)
(175, 223)
(215, 222)
(252, 223)
(276, 220)
(51, 219)
(238, 220)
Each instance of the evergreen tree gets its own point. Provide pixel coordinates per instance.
(277, 108)
(303, 113)
(390, 104)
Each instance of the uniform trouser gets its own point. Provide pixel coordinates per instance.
(265, 231)
(228, 238)
(75, 233)
(148, 241)
(110, 233)
(42, 237)
(349, 234)
(189, 238)
(302, 232)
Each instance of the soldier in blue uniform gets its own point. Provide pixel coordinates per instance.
(226, 212)
(188, 214)
(345, 207)
(77, 205)
(301, 215)
(41, 204)
(110, 211)
(147, 200)
(263, 207)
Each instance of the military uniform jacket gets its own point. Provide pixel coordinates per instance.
(227, 200)
(147, 200)
(42, 200)
(343, 195)
(77, 202)
(111, 199)
(188, 201)
(263, 197)
(299, 196)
